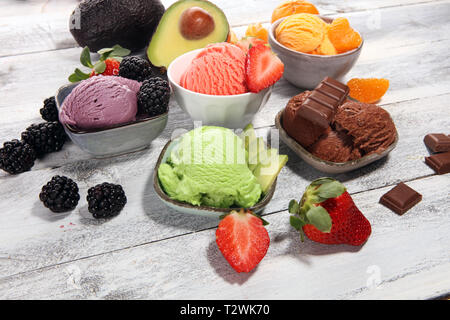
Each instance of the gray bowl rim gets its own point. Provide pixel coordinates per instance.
(89, 131)
(349, 165)
(318, 56)
(261, 204)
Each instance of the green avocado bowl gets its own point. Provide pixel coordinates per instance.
(188, 208)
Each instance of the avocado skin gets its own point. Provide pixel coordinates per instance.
(105, 23)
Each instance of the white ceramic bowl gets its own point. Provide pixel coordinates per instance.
(232, 111)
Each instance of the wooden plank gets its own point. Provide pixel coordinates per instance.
(414, 247)
(49, 30)
(32, 237)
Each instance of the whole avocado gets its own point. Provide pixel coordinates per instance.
(104, 23)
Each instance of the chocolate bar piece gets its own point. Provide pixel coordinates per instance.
(437, 142)
(401, 198)
(439, 162)
(318, 110)
(334, 90)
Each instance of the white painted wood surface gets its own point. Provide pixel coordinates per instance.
(141, 253)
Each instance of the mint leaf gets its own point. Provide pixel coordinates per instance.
(331, 189)
(81, 75)
(293, 206)
(319, 218)
(118, 51)
(85, 58)
(74, 78)
(100, 67)
(105, 50)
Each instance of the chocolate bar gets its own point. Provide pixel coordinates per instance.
(439, 162)
(401, 198)
(437, 142)
(318, 110)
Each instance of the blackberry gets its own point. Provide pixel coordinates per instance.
(60, 194)
(49, 111)
(135, 68)
(16, 156)
(153, 96)
(45, 137)
(106, 200)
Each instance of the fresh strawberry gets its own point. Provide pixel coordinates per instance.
(242, 239)
(327, 214)
(246, 43)
(111, 69)
(263, 68)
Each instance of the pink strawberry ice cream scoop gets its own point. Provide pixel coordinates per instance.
(101, 102)
(219, 69)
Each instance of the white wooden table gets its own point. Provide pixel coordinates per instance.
(152, 252)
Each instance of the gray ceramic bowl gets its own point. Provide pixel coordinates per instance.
(185, 207)
(323, 165)
(305, 70)
(117, 140)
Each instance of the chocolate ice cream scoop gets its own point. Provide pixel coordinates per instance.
(335, 147)
(370, 126)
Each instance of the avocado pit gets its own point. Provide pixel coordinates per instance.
(196, 23)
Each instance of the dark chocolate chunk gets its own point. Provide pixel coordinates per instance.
(333, 89)
(401, 198)
(437, 142)
(439, 162)
(318, 109)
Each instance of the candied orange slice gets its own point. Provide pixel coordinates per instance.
(368, 90)
(258, 31)
(342, 36)
(289, 8)
(232, 38)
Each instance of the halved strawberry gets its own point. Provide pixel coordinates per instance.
(263, 68)
(327, 214)
(242, 239)
(246, 43)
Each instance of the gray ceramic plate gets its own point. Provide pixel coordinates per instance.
(116, 140)
(198, 210)
(328, 166)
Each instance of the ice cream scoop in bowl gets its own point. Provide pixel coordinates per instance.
(111, 140)
(306, 70)
(230, 111)
(210, 171)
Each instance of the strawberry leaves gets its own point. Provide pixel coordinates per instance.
(117, 53)
(309, 210)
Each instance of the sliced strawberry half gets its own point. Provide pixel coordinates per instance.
(263, 68)
(242, 239)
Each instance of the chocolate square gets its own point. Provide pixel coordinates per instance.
(334, 89)
(401, 198)
(439, 162)
(437, 142)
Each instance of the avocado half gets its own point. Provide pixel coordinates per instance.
(185, 26)
(104, 23)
